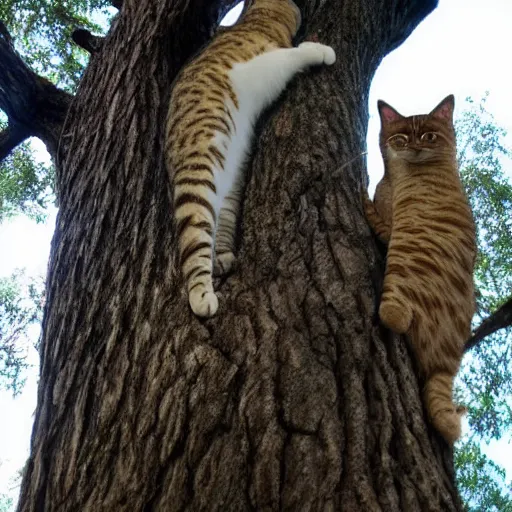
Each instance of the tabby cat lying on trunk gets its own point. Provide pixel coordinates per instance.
(421, 210)
(214, 105)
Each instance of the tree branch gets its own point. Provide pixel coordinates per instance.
(403, 27)
(87, 41)
(33, 105)
(500, 319)
(5, 33)
(10, 138)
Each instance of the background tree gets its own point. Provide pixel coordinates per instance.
(42, 33)
(25, 184)
(486, 374)
(7, 500)
(5, 503)
(21, 304)
(292, 382)
(481, 481)
(481, 156)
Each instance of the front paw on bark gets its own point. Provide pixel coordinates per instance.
(323, 54)
(394, 316)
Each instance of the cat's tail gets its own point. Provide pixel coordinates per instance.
(443, 413)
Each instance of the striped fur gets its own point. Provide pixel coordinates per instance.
(214, 105)
(421, 210)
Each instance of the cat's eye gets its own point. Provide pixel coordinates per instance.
(399, 140)
(429, 137)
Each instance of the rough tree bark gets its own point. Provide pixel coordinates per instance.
(292, 397)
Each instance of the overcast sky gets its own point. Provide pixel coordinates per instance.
(462, 48)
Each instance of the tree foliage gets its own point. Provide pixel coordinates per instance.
(486, 373)
(26, 184)
(481, 481)
(8, 499)
(42, 34)
(482, 154)
(21, 304)
(6, 503)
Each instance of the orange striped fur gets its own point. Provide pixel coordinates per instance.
(214, 105)
(421, 210)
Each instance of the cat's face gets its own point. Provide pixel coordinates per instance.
(421, 139)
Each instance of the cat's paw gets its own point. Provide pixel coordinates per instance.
(320, 53)
(223, 263)
(204, 303)
(448, 423)
(395, 316)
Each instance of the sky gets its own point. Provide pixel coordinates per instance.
(462, 48)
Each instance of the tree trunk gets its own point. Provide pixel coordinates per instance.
(292, 397)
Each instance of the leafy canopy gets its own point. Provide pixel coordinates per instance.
(41, 31)
(481, 481)
(21, 304)
(486, 374)
(26, 184)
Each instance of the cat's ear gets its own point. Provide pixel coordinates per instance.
(387, 113)
(444, 110)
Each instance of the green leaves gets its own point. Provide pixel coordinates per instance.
(486, 372)
(487, 379)
(481, 481)
(42, 29)
(482, 154)
(6, 503)
(21, 304)
(26, 186)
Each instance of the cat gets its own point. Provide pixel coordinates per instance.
(214, 105)
(420, 209)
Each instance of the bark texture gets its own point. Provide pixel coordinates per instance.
(292, 397)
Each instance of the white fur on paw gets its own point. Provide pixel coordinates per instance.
(325, 54)
(203, 303)
(223, 263)
(329, 56)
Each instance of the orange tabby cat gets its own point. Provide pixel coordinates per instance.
(420, 208)
(214, 105)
